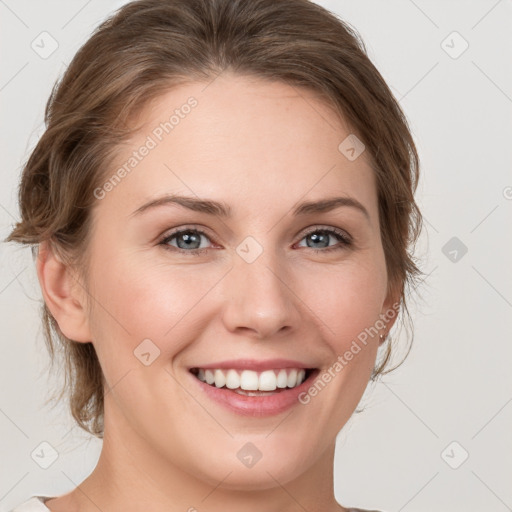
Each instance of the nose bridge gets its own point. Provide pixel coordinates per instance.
(259, 293)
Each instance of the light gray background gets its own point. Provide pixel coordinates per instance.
(456, 383)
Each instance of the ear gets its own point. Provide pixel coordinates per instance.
(63, 295)
(390, 310)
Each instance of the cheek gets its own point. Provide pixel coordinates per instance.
(137, 298)
(348, 300)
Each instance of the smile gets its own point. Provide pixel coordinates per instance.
(249, 380)
(254, 393)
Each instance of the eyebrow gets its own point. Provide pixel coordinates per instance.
(221, 209)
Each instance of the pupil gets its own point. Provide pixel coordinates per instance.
(190, 239)
(316, 238)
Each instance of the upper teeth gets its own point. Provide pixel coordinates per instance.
(249, 380)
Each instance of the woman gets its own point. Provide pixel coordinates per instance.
(223, 208)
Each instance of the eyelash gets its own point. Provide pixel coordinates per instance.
(340, 235)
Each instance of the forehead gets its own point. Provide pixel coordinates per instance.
(242, 140)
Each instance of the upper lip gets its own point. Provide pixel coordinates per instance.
(255, 365)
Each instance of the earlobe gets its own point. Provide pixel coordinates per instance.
(389, 314)
(62, 294)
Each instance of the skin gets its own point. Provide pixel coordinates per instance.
(261, 147)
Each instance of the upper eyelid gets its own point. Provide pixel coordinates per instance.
(331, 229)
(177, 231)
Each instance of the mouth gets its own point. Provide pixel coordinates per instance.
(254, 383)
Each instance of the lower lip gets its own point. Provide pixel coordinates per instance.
(266, 405)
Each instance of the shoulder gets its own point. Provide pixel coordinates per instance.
(34, 504)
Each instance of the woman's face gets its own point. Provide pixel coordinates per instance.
(261, 283)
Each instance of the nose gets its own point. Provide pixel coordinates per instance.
(260, 298)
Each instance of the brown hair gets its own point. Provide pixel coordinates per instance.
(147, 47)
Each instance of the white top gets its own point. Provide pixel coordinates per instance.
(36, 504)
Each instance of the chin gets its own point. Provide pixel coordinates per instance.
(267, 473)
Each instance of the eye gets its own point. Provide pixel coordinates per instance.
(320, 238)
(187, 241)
